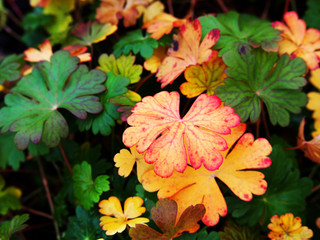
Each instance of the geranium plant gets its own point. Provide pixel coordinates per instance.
(149, 119)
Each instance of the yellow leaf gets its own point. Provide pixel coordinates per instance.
(198, 186)
(116, 220)
(206, 77)
(152, 64)
(152, 11)
(43, 54)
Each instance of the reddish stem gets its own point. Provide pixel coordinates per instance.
(223, 6)
(286, 6)
(15, 8)
(36, 212)
(316, 188)
(170, 7)
(66, 162)
(143, 81)
(264, 120)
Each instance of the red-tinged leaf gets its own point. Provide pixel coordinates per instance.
(170, 142)
(186, 50)
(164, 214)
(43, 54)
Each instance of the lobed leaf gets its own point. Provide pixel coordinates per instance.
(8, 228)
(10, 68)
(32, 107)
(9, 197)
(257, 77)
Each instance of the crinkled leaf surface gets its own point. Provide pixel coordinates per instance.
(102, 123)
(92, 32)
(236, 29)
(10, 68)
(31, 109)
(164, 214)
(84, 225)
(9, 154)
(137, 43)
(195, 186)
(286, 193)
(206, 77)
(256, 76)
(9, 197)
(192, 138)
(186, 50)
(86, 191)
(124, 66)
(17, 223)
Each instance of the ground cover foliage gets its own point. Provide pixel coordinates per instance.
(148, 119)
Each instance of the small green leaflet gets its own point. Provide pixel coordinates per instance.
(285, 194)
(232, 231)
(31, 109)
(199, 235)
(36, 19)
(116, 85)
(8, 228)
(137, 43)
(236, 29)
(86, 191)
(85, 225)
(9, 154)
(124, 66)
(254, 79)
(9, 197)
(10, 68)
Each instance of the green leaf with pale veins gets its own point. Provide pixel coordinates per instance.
(8, 228)
(10, 68)
(102, 123)
(123, 66)
(86, 191)
(286, 193)
(256, 76)
(9, 197)
(137, 43)
(32, 107)
(236, 29)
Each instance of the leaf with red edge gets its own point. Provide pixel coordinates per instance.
(186, 50)
(171, 142)
(93, 32)
(195, 186)
(164, 214)
(43, 54)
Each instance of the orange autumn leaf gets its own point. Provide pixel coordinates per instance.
(164, 214)
(152, 64)
(186, 50)
(298, 41)
(154, 9)
(171, 142)
(125, 161)
(206, 77)
(39, 3)
(162, 24)
(310, 148)
(199, 186)
(111, 11)
(45, 52)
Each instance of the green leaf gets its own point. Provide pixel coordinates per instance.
(200, 235)
(3, 15)
(84, 226)
(286, 193)
(123, 66)
(10, 68)
(137, 43)
(8, 228)
(102, 123)
(9, 154)
(232, 231)
(256, 76)
(236, 29)
(32, 107)
(86, 191)
(9, 198)
(312, 14)
(36, 19)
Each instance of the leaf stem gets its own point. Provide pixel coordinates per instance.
(314, 171)
(65, 158)
(266, 9)
(170, 7)
(264, 121)
(296, 147)
(191, 10)
(316, 188)
(36, 212)
(223, 6)
(12, 33)
(48, 195)
(15, 8)
(143, 81)
(286, 6)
